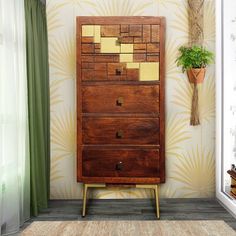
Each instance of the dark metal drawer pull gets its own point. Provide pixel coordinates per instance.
(120, 101)
(119, 166)
(119, 134)
(118, 71)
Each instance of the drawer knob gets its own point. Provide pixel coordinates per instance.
(119, 134)
(120, 101)
(119, 165)
(118, 71)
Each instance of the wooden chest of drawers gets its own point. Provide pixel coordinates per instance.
(120, 100)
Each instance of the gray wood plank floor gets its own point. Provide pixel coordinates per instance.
(135, 209)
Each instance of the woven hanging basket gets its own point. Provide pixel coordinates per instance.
(196, 75)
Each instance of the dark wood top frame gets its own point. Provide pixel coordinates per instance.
(85, 148)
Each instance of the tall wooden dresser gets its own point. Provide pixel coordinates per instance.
(120, 102)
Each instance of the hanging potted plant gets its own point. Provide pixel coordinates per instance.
(194, 60)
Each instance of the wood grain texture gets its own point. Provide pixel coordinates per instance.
(87, 39)
(153, 58)
(114, 20)
(146, 33)
(116, 69)
(153, 47)
(135, 131)
(136, 209)
(140, 48)
(139, 57)
(162, 97)
(110, 30)
(132, 74)
(121, 163)
(127, 39)
(129, 228)
(87, 48)
(116, 108)
(92, 74)
(136, 99)
(135, 30)
(155, 33)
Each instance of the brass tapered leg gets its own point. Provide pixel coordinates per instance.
(155, 188)
(85, 190)
(84, 199)
(156, 192)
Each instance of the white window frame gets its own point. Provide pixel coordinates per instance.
(223, 198)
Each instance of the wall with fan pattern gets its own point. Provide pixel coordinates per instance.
(190, 163)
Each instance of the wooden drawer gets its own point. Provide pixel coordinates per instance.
(120, 163)
(120, 130)
(108, 71)
(120, 98)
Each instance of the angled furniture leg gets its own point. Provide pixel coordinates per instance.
(155, 188)
(156, 192)
(85, 189)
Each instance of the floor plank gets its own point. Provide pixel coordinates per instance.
(135, 209)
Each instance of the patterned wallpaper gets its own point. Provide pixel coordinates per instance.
(190, 160)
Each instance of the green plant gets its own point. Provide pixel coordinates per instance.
(194, 57)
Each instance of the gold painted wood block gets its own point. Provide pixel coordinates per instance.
(131, 65)
(87, 30)
(109, 45)
(149, 71)
(126, 48)
(126, 57)
(97, 34)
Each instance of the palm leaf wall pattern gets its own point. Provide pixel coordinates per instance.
(53, 16)
(176, 133)
(166, 3)
(66, 190)
(172, 70)
(79, 3)
(195, 171)
(206, 95)
(55, 172)
(63, 134)
(62, 57)
(200, 163)
(55, 95)
(180, 23)
(169, 191)
(120, 7)
(209, 24)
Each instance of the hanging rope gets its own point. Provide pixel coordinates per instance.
(196, 36)
(194, 120)
(196, 22)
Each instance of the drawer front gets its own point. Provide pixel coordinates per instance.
(120, 99)
(100, 71)
(131, 52)
(120, 130)
(108, 68)
(120, 163)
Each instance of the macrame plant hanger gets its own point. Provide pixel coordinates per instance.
(196, 36)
